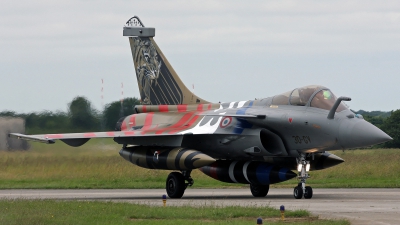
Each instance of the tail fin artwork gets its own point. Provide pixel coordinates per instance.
(158, 82)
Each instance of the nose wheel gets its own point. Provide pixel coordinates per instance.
(301, 189)
(175, 184)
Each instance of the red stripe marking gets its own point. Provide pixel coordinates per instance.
(163, 108)
(209, 107)
(186, 126)
(213, 171)
(147, 122)
(144, 108)
(111, 134)
(200, 107)
(130, 133)
(54, 136)
(182, 108)
(181, 122)
(132, 120)
(123, 125)
(89, 135)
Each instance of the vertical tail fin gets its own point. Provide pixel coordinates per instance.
(158, 82)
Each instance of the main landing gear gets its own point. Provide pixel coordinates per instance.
(176, 184)
(301, 189)
(259, 190)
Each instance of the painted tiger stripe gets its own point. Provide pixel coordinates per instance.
(186, 126)
(190, 159)
(178, 158)
(241, 104)
(132, 121)
(238, 173)
(182, 108)
(111, 134)
(123, 125)
(180, 123)
(182, 159)
(163, 108)
(213, 170)
(54, 136)
(147, 122)
(130, 133)
(209, 106)
(231, 171)
(172, 155)
(144, 108)
(200, 107)
(235, 105)
(245, 170)
(89, 135)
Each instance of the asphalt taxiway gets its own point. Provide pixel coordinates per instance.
(359, 206)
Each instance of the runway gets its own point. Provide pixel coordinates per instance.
(359, 206)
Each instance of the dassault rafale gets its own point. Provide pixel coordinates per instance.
(257, 142)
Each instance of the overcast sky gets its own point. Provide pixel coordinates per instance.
(52, 51)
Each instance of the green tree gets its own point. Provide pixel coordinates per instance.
(46, 122)
(113, 111)
(378, 121)
(82, 116)
(392, 127)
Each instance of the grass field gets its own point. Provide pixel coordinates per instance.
(20, 212)
(98, 165)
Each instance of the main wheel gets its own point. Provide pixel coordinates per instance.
(175, 185)
(308, 192)
(298, 192)
(258, 190)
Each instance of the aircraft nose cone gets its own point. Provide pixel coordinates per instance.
(363, 134)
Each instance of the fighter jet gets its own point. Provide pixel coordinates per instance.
(257, 142)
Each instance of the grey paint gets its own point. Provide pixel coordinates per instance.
(139, 31)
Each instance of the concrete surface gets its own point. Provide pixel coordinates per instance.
(359, 206)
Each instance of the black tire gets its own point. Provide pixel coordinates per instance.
(258, 190)
(298, 192)
(175, 185)
(308, 192)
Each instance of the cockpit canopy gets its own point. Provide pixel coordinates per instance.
(312, 95)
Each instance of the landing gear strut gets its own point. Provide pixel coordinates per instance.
(176, 186)
(301, 190)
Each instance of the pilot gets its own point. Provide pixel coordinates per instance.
(323, 100)
(305, 94)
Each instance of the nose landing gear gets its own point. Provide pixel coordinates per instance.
(301, 189)
(175, 184)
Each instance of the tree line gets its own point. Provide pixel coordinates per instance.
(389, 122)
(81, 116)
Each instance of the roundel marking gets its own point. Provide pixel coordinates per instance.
(225, 122)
